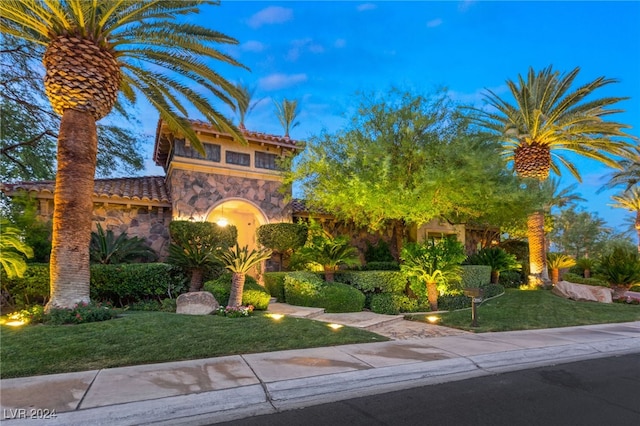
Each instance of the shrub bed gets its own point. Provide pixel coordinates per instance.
(252, 294)
(307, 289)
(374, 281)
(475, 275)
(302, 288)
(274, 283)
(392, 304)
(577, 279)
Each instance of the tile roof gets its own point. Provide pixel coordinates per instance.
(149, 189)
(300, 206)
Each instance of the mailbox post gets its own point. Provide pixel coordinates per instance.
(476, 297)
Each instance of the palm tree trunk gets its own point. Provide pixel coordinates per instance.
(537, 258)
(329, 273)
(495, 277)
(73, 210)
(237, 286)
(197, 276)
(555, 276)
(432, 295)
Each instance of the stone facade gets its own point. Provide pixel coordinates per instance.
(194, 193)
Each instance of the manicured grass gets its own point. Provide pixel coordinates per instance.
(150, 337)
(525, 310)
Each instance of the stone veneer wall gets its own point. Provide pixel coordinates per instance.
(137, 221)
(194, 193)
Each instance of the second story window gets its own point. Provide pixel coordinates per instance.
(265, 160)
(238, 158)
(211, 151)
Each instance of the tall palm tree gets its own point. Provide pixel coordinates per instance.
(94, 51)
(287, 113)
(246, 104)
(630, 200)
(629, 175)
(546, 118)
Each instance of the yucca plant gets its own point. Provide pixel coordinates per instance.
(498, 259)
(587, 265)
(544, 119)
(95, 50)
(13, 250)
(557, 261)
(106, 249)
(239, 261)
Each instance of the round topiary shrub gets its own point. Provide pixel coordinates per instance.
(253, 293)
(336, 297)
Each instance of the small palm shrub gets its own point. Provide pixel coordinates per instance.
(557, 261)
(13, 250)
(329, 253)
(106, 249)
(239, 261)
(252, 293)
(498, 259)
(620, 266)
(586, 265)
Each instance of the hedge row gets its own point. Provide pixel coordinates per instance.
(577, 279)
(120, 284)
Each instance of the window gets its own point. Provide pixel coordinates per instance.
(238, 158)
(211, 151)
(266, 161)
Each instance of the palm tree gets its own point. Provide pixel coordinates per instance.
(498, 259)
(11, 245)
(106, 249)
(630, 200)
(557, 261)
(329, 253)
(239, 261)
(629, 175)
(245, 103)
(287, 113)
(545, 119)
(94, 51)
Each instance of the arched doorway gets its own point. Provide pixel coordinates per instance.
(244, 215)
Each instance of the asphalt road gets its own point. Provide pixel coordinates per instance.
(602, 392)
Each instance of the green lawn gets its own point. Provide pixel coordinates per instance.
(150, 337)
(525, 310)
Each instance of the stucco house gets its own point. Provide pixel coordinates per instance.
(234, 183)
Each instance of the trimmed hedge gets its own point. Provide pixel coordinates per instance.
(475, 275)
(510, 279)
(374, 281)
(307, 289)
(392, 304)
(274, 283)
(120, 284)
(577, 279)
(381, 266)
(252, 293)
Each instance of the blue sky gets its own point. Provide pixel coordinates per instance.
(322, 53)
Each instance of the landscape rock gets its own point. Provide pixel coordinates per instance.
(581, 292)
(196, 303)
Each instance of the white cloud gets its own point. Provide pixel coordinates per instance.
(281, 81)
(303, 45)
(434, 23)
(366, 6)
(270, 15)
(252, 46)
(464, 5)
(340, 43)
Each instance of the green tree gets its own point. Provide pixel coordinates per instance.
(93, 52)
(544, 119)
(630, 200)
(28, 124)
(434, 264)
(579, 233)
(405, 159)
(239, 261)
(287, 113)
(13, 250)
(282, 237)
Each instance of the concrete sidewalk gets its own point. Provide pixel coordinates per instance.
(207, 391)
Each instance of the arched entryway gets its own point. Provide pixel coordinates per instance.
(244, 215)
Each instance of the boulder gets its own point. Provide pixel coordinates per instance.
(196, 303)
(583, 292)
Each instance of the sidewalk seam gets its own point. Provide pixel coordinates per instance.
(87, 391)
(265, 389)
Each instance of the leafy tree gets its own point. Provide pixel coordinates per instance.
(282, 237)
(545, 119)
(498, 259)
(630, 200)
(106, 249)
(195, 247)
(287, 113)
(22, 212)
(93, 52)
(557, 261)
(405, 159)
(28, 129)
(239, 261)
(13, 250)
(579, 233)
(434, 263)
